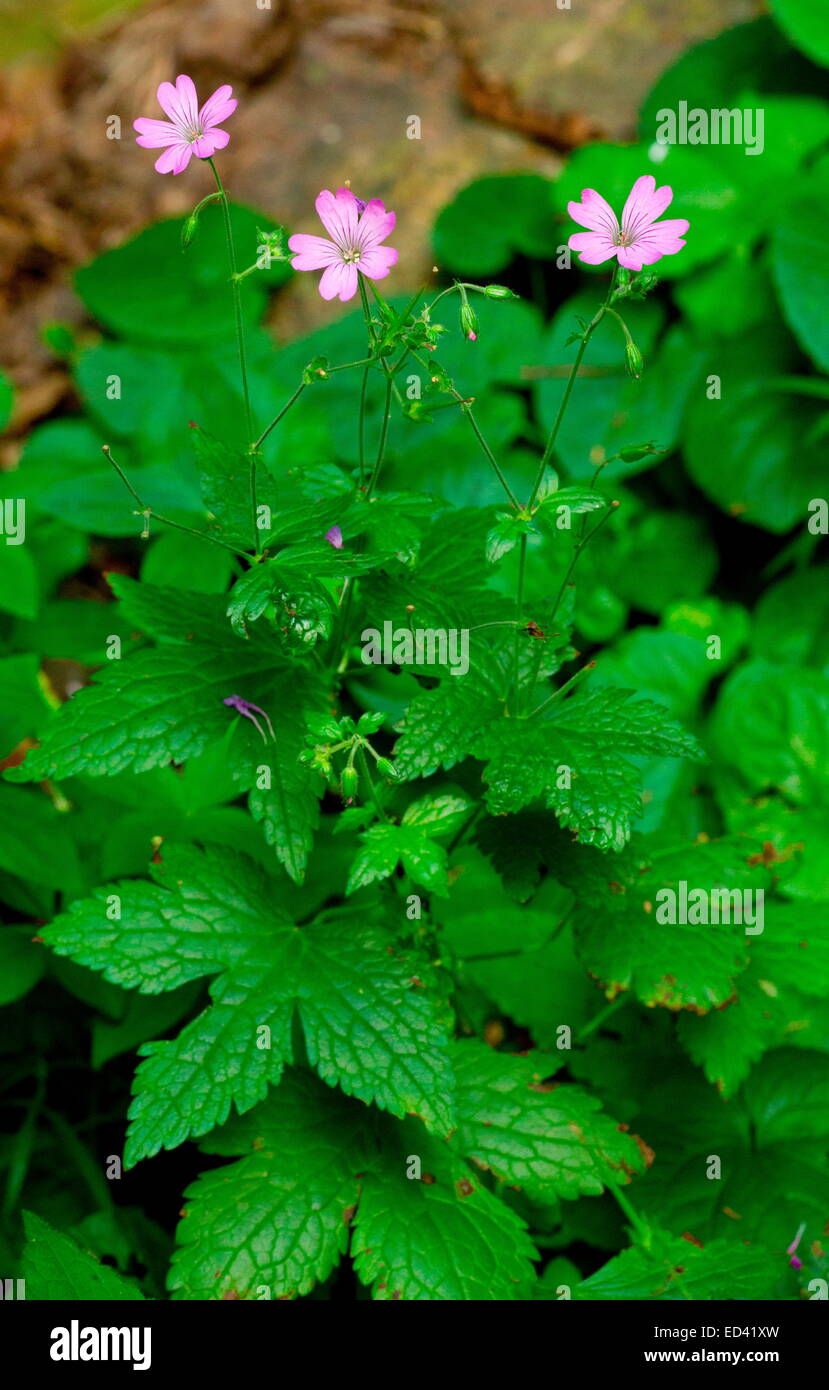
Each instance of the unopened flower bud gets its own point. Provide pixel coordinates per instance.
(349, 782)
(632, 453)
(469, 322)
(188, 230)
(386, 769)
(634, 360)
(499, 292)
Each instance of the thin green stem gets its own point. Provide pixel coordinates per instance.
(284, 411)
(384, 433)
(577, 549)
(361, 426)
(601, 1017)
(466, 409)
(574, 371)
(364, 768)
(564, 689)
(148, 513)
(366, 308)
(519, 607)
(21, 1148)
(240, 344)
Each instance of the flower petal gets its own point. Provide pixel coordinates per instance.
(631, 257)
(170, 103)
(594, 248)
(174, 159)
(377, 261)
(218, 107)
(660, 239)
(594, 213)
(210, 142)
(153, 135)
(312, 252)
(339, 215)
(339, 281)
(188, 99)
(645, 203)
(375, 224)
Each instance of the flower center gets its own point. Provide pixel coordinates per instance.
(193, 133)
(350, 254)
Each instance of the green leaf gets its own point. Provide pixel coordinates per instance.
(777, 637)
(178, 561)
(57, 1269)
(160, 706)
(749, 451)
(674, 1269)
(728, 298)
(491, 220)
(532, 1132)
(778, 998)
(804, 21)
(22, 706)
(441, 813)
(771, 1143)
(441, 726)
(370, 1016)
(800, 270)
(442, 1238)
(35, 841)
(22, 962)
(576, 761)
(628, 936)
(506, 534)
(278, 1220)
(224, 474)
(19, 589)
(384, 846)
(283, 792)
(753, 57)
(770, 723)
(520, 956)
(655, 558)
(148, 291)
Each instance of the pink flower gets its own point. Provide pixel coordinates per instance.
(335, 537)
(640, 240)
(191, 130)
(356, 230)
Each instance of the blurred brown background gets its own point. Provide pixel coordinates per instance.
(325, 89)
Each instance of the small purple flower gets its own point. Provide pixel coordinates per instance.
(795, 1261)
(335, 537)
(250, 711)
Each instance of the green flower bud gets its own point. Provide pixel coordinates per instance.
(188, 230)
(469, 322)
(634, 360)
(349, 782)
(386, 769)
(632, 453)
(498, 292)
(316, 370)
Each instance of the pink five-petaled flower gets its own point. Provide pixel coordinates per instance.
(640, 240)
(191, 129)
(356, 230)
